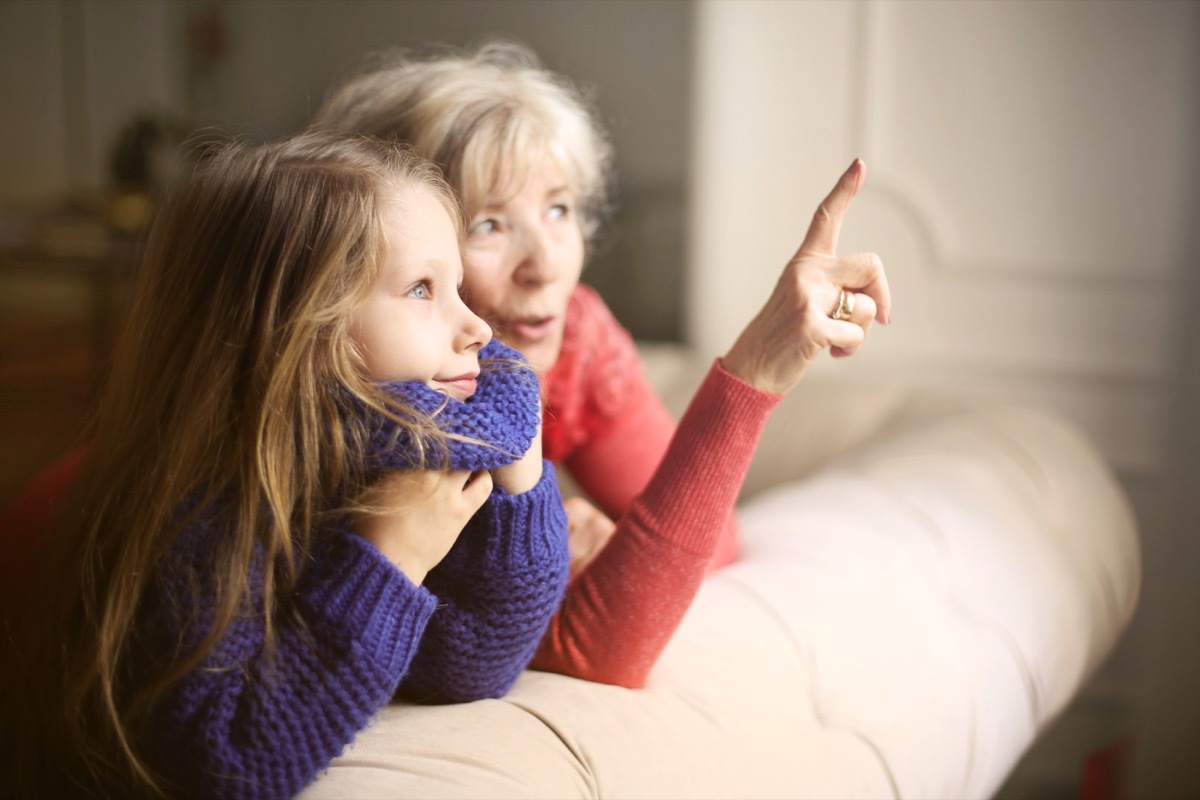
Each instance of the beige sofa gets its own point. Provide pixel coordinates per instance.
(925, 585)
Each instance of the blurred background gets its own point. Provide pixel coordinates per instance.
(1033, 189)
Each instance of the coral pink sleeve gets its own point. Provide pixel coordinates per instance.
(671, 489)
(619, 459)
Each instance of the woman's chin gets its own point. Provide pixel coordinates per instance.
(541, 355)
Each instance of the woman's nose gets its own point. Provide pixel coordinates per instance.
(535, 259)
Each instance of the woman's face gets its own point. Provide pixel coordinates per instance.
(523, 258)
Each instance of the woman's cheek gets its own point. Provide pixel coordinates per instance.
(482, 278)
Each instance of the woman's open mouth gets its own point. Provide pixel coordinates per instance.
(531, 329)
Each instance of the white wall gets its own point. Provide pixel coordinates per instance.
(1033, 189)
(1031, 169)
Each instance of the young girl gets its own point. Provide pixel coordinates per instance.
(304, 492)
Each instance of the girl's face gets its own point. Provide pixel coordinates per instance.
(523, 256)
(414, 325)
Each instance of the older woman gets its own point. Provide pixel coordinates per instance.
(531, 164)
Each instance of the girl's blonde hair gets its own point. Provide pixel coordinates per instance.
(487, 117)
(229, 386)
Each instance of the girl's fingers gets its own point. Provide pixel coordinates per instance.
(476, 488)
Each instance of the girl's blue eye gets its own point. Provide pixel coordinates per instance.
(420, 291)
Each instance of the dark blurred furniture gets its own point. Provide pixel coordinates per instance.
(77, 246)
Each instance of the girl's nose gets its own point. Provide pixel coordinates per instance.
(474, 333)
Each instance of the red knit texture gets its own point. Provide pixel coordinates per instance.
(671, 489)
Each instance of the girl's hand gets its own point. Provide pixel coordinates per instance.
(795, 325)
(588, 530)
(522, 475)
(414, 517)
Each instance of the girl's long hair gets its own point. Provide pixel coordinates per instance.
(228, 386)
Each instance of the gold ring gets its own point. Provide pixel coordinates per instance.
(845, 305)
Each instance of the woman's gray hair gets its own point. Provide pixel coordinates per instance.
(488, 117)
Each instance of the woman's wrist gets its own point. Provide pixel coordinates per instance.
(744, 369)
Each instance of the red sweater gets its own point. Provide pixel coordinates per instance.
(671, 489)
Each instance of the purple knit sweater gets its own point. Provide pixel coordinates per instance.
(356, 631)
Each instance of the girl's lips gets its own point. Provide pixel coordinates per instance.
(460, 388)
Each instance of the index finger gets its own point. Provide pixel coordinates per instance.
(826, 224)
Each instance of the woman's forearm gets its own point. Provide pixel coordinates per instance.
(621, 611)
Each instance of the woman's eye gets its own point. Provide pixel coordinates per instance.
(420, 291)
(483, 226)
(560, 210)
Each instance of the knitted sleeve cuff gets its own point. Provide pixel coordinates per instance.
(359, 597)
(511, 535)
(528, 528)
